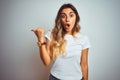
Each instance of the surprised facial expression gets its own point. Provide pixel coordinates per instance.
(68, 19)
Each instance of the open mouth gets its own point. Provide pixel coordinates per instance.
(67, 25)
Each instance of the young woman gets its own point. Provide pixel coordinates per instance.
(65, 46)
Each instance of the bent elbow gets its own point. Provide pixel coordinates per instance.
(46, 65)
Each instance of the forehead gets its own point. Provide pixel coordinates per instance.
(67, 10)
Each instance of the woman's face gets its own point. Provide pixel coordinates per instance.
(68, 19)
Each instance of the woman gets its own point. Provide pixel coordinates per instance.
(65, 46)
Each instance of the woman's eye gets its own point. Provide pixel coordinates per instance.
(71, 15)
(63, 16)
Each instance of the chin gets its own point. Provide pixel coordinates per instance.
(68, 31)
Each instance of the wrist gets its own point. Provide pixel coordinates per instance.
(41, 40)
(40, 43)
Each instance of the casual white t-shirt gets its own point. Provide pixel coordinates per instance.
(67, 67)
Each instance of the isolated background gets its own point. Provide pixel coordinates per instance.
(19, 55)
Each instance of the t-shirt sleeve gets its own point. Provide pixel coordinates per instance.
(47, 35)
(86, 43)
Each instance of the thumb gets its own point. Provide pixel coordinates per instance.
(33, 30)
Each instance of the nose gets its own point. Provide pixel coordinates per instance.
(67, 19)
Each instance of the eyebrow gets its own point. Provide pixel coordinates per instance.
(69, 13)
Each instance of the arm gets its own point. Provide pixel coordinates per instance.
(44, 49)
(84, 64)
(45, 53)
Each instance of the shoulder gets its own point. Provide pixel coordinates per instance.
(84, 40)
(81, 36)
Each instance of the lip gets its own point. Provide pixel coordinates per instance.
(67, 25)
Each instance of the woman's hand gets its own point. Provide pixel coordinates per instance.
(39, 32)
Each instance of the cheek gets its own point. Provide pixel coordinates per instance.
(62, 21)
(73, 21)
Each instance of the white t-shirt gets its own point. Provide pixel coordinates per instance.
(67, 67)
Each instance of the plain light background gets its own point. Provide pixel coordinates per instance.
(19, 54)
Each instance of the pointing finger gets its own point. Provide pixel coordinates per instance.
(33, 30)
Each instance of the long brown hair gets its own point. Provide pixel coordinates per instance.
(58, 42)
